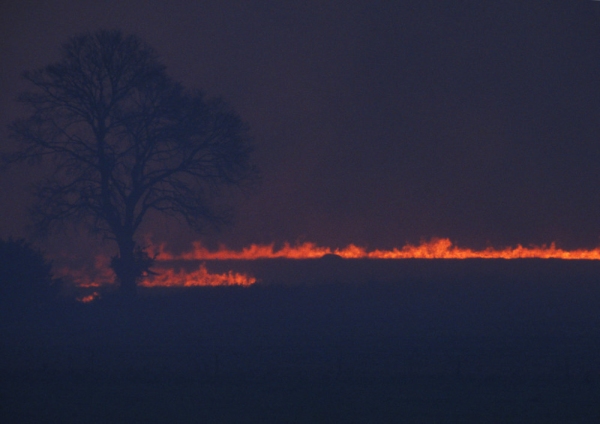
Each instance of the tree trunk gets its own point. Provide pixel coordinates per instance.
(126, 268)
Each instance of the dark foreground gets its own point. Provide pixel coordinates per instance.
(510, 343)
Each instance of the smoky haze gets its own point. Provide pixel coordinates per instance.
(374, 123)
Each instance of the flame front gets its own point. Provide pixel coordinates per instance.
(100, 273)
(441, 248)
(200, 277)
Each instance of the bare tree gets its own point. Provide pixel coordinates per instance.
(124, 140)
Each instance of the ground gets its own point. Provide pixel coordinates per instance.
(508, 347)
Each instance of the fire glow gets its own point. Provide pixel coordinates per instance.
(166, 275)
(199, 277)
(101, 275)
(433, 249)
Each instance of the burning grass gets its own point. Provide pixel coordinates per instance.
(189, 269)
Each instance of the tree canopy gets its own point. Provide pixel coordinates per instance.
(124, 139)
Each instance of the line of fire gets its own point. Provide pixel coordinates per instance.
(189, 269)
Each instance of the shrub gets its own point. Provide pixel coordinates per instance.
(25, 274)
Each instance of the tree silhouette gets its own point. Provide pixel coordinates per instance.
(124, 139)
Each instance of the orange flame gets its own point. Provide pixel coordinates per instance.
(89, 298)
(100, 273)
(437, 248)
(200, 277)
(254, 251)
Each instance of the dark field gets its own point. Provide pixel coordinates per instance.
(327, 340)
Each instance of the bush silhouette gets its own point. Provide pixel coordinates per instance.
(25, 274)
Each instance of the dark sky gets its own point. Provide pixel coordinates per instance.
(376, 122)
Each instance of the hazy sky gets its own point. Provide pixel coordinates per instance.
(376, 122)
